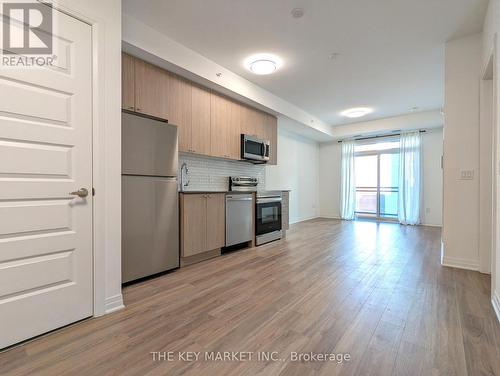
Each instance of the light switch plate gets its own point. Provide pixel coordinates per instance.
(467, 175)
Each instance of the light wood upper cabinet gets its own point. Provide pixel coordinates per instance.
(203, 219)
(200, 129)
(253, 122)
(271, 134)
(180, 110)
(193, 224)
(128, 78)
(248, 126)
(220, 118)
(216, 221)
(259, 123)
(208, 123)
(151, 89)
(234, 131)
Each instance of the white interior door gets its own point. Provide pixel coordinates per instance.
(46, 153)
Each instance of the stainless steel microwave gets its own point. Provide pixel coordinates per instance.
(254, 149)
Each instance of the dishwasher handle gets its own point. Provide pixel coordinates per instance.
(238, 198)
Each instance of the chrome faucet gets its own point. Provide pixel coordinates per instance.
(184, 176)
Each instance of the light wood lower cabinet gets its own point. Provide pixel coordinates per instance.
(193, 224)
(202, 220)
(216, 221)
(285, 216)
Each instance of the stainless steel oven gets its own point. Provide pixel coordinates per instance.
(254, 149)
(268, 217)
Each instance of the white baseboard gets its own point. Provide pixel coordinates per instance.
(431, 225)
(461, 263)
(113, 303)
(495, 301)
(329, 216)
(303, 219)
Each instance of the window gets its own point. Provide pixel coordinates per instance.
(376, 178)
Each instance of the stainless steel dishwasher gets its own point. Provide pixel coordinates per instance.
(239, 223)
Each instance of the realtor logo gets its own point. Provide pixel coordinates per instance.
(27, 28)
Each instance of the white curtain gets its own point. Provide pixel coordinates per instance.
(348, 188)
(409, 178)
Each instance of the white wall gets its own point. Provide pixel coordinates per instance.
(489, 42)
(432, 195)
(106, 20)
(329, 182)
(461, 152)
(297, 170)
(432, 149)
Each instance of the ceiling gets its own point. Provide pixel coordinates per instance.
(391, 51)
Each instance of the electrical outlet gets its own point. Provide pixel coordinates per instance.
(467, 175)
(427, 210)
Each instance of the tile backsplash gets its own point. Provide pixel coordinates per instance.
(211, 174)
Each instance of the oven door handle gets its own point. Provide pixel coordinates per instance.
(268, 200)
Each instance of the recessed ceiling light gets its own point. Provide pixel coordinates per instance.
(263, 64)
(297, 12)
(356, 112)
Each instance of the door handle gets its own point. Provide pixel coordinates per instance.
(82, 192)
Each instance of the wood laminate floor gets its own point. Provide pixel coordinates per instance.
(374, 291)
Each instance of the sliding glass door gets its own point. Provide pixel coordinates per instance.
(376, 178)
(388, 185)
(366, 178)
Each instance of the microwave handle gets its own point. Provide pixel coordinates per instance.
(263, 149)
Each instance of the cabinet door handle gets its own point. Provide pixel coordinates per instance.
(139, 109)
(131, 107)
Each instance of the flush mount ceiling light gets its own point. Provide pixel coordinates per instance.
(297, 12)
(263, 64)
(356, 112)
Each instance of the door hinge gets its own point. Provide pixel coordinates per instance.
(93, 191)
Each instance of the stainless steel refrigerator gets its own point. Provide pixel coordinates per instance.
(150, 224)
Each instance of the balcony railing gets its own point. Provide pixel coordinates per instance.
(377, 202)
